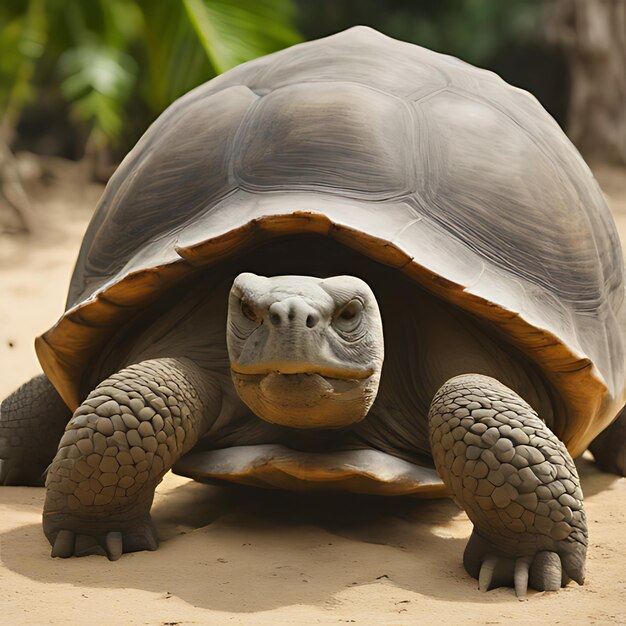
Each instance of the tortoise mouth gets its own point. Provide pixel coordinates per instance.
(306, 400)
(300, 368)
(343, 388)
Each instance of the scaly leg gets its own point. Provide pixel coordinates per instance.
(517, 483)
(32, 420)
(116, 449)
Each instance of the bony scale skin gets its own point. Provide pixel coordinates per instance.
(517, 483)
(335, 268)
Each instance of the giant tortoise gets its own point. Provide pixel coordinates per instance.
(255, 250)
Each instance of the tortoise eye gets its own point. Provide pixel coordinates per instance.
(248, 311)
(349, 316)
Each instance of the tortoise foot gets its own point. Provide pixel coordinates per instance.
(545, 570)
(516, 482)
(115, 450)
(73, 536)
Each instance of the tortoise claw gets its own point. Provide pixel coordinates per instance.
(114, 545)
(520, 576)
(545, 572)
(89, 538)
(63, 544)
(574, 564)
(487, 569)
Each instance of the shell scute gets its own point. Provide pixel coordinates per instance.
(363, 150)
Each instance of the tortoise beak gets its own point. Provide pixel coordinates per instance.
(307, 400)
(326, 370)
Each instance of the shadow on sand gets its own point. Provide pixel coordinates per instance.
(242, 550)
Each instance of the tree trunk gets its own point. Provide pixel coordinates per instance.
(20, 216)
(592, 34)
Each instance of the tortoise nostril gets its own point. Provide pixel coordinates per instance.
(292, 315)
(312, 319)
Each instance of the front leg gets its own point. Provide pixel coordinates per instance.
(517, 483)
(116, 449)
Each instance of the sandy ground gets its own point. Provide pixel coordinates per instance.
(237, 556)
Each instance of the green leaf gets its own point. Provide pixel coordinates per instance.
(23, 35)
(97, 81)
(233, 32)
(174, 60)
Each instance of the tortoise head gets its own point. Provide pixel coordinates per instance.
(305, 352)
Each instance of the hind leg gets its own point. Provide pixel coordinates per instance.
(32, 420)
(609, 447)
(516, 482)
(116, 449)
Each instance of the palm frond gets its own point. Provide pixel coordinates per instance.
(232, 32)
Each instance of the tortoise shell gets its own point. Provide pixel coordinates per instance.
(412, 158)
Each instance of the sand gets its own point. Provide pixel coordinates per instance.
(232, 555)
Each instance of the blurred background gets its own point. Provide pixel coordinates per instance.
(81, 80)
